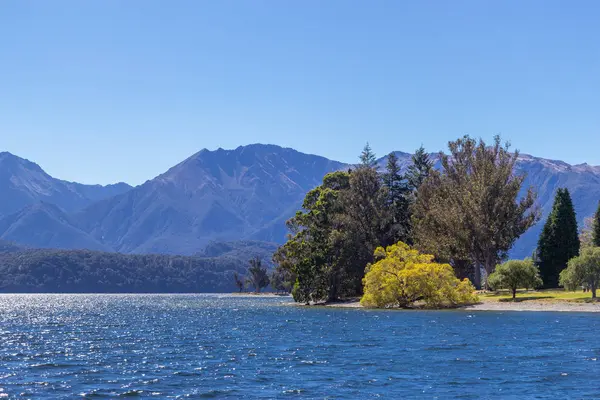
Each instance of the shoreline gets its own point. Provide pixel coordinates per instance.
(528, 305)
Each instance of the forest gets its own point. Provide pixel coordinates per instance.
(434, 235)
(83, 271)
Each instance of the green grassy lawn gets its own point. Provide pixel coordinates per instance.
(550, 295)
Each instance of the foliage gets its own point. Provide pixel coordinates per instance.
(515, 274)
(367, 157)
(403, 276)
(583, 270)
(239, 281)
(559, 240)
(398, 201)
(473, 209)
(282, 280)
(596, 228)
(419, 170)
(85, 271)
(257, 275)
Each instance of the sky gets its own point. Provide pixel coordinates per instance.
(103, 91)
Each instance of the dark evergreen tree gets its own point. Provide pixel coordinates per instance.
(367, 157)
(398, 202)
(596, 228)
(419, 170)
(559, 240)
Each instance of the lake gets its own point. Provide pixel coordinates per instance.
(218, 346)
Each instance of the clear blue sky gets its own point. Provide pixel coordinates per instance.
(104, 91)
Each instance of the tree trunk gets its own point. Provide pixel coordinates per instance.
(514, 293)
(594, 291)
(477, 277)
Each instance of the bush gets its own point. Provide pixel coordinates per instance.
(402, 276)
(515, 274)
(583, 270)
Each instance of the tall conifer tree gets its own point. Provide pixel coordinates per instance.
(559, 240)
(596, 228)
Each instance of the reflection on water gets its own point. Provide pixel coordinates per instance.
(212, 346)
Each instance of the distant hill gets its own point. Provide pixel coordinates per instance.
(85, 271)
(245, 194)
(23, 183)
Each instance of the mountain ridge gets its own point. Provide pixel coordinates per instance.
(246, 193)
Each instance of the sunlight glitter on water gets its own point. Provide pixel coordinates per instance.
(222, 346)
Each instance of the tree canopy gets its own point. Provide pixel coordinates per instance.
(515, 274)
(559, 240)
(583, 270)
(472, 209)
(402, 276)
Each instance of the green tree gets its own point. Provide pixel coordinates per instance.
(473, 208)
(257, 275)
(239, 281)
(398, 202)
(309, 255)
(559, 240)
(583, 270)
(364, 224)
(596, 228)
(515, 274)
(419, 170)
(402, 276)
(367, 157)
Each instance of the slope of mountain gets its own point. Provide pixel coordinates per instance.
(44, 225)
(23, 183)
(223, 195)
(218, 195)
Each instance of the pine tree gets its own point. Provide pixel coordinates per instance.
(419, 170)
(367, 157)
(596, 228)
(397, 201)
(559, 240)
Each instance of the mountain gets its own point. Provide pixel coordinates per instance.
(220, 195)
(216, 197)
(44, 225)
(23, 183)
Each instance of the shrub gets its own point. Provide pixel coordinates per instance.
(583, 270)
(515, 274)
(403, 276)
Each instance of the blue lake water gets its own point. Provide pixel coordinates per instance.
(210, 346)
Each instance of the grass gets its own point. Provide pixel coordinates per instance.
(550, 295)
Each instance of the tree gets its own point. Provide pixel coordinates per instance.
(596, 228)
(282, 280)
(583, 270)
(402, 276)
(474, 208)
(309, 255)
(419, 170)
(398, 201)
(239, 281)
(515, 274)
(363, 224)
(257, 275)
(367, 157)
(559, 240)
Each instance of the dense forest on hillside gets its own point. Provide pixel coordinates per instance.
(84, 271)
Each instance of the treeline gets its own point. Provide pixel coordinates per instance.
(83, 271)
(467, 214)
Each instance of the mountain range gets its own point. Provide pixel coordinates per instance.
(245, 194)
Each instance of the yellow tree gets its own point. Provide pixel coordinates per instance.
(402, 276)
